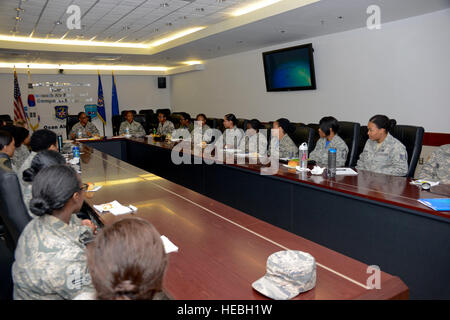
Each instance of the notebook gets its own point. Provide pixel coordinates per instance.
(438, 204)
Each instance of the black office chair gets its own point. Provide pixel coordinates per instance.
(175, 118)
(316, 136)
(362, 139)
(219, 124)
(268, 126)
(350, 132)
(302, 134)
(411, 137)
(146, 111)
(142, 120)
(242, 123)
(71, 120)
(116, 121)
(13, 211)
(211, 122)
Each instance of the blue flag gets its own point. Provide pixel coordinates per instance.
(115, 102)
(100, 102)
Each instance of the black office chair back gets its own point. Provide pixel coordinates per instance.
(211, 122)
(71, 120)
(242, 123)
(13, 211)
(142, 120)
(302, 134)
(146, 111)
(349, 132)
(175, 118)
(116, 121)
(268, 126)
(411, 137)
(316, 136)
(363, 137)
(219, 124)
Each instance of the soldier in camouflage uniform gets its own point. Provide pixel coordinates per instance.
(288, 273)
(286, 147)
(437, 168)
(21, 139)
(254, 141)
(88, 129)
(165, 126)
(50, 259)
(134, 127)
(328, 128)
(20, 155)
(383, 153)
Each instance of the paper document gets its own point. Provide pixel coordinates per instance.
(346, 172)
(168, 245)
(115, 208)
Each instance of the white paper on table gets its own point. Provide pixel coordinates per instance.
(422, 181)
(74, 161)
(346, 172)
(114, 207)
(168, 245)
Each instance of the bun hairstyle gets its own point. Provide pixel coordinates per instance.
(286, 125)
(231, 117)
(52, 188)
(383, 122)
(327, 123)
(255, 124)
(127, 261)
(43, 159)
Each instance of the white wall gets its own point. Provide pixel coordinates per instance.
(402, 71)
(134, 92)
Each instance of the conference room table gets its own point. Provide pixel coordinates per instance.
(222, 250)
(372, 218)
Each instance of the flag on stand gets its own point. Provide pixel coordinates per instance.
(115, 101)
(19, 111)
(100, 102)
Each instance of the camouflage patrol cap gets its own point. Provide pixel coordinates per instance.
(288, 274)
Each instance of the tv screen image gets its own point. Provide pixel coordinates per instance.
(290, 69)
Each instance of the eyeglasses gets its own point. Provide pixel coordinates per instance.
(84, 187)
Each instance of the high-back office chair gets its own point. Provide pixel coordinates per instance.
(175, 118)
(211, 122)
(219, 124)
(146, 111)
(349, 132)
(71, 120)
(363, 137)
(13, 211)
(411, 137)
(302, 134)
(242, 123)
(116, 121)
(316, 136)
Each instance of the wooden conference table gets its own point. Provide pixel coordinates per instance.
(221, 250)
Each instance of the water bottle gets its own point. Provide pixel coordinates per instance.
(154, 131)
(60, 143)
(80, 134)
(331, 162)
(76, 152)
(303, 155)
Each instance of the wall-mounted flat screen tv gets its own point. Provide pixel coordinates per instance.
(290, 69)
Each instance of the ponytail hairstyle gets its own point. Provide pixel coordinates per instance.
(231, 117)
(255, 124)
(52, 189)
(383, 122)
(127, 261)
(41, 160)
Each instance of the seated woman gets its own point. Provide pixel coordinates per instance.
(286, 147)
(127, 261)
(7, 148)
(22, 138)
(206, 135)
(383, 153)
(254, 141)
(50, 259)
(134, 127)
(232, 135)
(328, 128)
(43, 159)
(165, 126)
(437, 168)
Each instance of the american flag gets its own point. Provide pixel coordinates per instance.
(19, 111)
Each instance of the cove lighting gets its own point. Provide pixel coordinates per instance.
(253, 7)
(80, 67)
(175, 36)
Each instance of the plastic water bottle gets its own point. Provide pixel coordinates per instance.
(127, 131)
(60, 143)
(80, 134)
(303, 155)
(331, 162)
(76, 152)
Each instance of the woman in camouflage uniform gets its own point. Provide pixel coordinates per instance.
(50, 260)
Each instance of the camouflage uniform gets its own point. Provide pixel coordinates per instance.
(190, 127)
(166, 128)
(390, 158)
(135, 128)
(232, 137)
(5, 162)
(20, 155)
(25, 165)
(254, 143)
(320, 152)
(288, 273)
(90, 127)
(50, 260)
(286, 147)
(437, 168)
